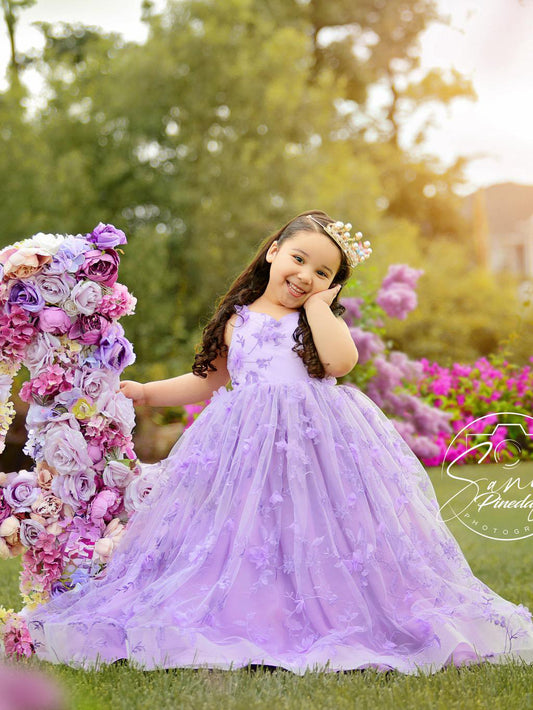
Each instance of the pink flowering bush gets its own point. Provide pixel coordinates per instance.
(59, 308)
(468, 392)
(385, 376)
(428, 404)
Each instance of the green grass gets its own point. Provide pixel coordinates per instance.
(504, 566)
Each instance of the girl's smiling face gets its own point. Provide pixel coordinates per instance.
(304, 264)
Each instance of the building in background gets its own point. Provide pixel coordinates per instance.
(502, 221)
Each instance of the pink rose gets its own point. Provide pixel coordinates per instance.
(54, 320)
(102, 502)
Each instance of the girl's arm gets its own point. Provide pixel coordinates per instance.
(333, 341)
(186, 389)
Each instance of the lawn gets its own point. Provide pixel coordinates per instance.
(504, 566)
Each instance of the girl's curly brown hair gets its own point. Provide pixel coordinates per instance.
(251, 284)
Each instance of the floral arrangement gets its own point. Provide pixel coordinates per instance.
(59, 308)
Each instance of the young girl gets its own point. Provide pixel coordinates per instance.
(290, 525)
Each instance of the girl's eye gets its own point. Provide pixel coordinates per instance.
(299, 257)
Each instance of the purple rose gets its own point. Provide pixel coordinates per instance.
(29, 532)
(101, 267)
(58, 588)
(26, 295)
(54, 320)
(115, 351)
(106, 236)
(75, 489)
(22, 491)
(86, 295)
(97, 384)
(88, 329)
(66, 449)
(55, 288)
(40, 352)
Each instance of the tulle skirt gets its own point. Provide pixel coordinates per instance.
(292, 526)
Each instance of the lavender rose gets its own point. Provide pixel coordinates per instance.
(22, 491)
(120, 409)
(101, 267)
(55, 288)
(66, 450)
(26, 295)
(54, 320)
(87, 295)
(106, 236)
(117, 475)
(30, 531)
(136, 493)
(98, 384)
(40, 352)
(75, 489)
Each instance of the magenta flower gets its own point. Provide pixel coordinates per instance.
(54, 320)
(101, 266)
(89, 329)
(16, 331)
(119, 303)
(50, 381)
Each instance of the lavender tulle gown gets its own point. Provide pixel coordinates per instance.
(292, 526)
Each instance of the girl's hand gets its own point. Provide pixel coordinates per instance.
(327, 296)
(133, 390)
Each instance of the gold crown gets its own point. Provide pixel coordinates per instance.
(355, 250)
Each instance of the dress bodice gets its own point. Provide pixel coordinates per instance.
(261, 349)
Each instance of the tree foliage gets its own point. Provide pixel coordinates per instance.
(231, 118)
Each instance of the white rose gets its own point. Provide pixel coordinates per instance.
(48, 242)
(70, 308)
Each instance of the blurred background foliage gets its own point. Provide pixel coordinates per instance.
(230, 119)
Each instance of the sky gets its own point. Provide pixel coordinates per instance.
(488, 41)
